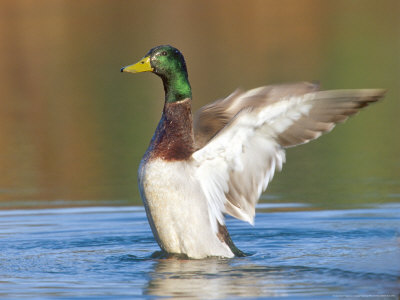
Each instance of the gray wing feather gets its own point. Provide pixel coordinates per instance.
(327, 109)
(211, 118)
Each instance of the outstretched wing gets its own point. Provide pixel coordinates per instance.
(239, 161)
(211, 118)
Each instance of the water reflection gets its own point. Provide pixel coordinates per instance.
(224, 279)
(208, 279)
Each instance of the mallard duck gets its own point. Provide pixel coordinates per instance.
(198, 169)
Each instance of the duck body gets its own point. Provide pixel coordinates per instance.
(197, 170)
(175, 205)
(177, 210)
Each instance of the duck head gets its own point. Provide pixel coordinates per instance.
(168, 63)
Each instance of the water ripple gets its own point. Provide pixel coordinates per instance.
(110, 252)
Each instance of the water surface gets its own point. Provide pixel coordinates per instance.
(106, 252)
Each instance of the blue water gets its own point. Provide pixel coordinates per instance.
(106, 253)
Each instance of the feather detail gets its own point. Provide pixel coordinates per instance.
(246, 134)
(211, 118)
(173, 139)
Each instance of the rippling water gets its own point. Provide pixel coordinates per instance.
(105, 252)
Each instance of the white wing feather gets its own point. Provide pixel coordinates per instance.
(235, 166)
(242, 158)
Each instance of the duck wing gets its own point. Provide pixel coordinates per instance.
(236, 164)
(211, 118)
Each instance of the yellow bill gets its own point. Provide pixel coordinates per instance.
(141, 66)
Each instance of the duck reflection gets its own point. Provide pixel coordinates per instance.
(211, 278)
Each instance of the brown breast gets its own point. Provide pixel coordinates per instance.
(173, 139)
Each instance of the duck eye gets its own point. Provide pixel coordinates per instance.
(164, 53)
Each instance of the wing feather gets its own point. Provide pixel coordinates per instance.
(243, 145)
(211, 118)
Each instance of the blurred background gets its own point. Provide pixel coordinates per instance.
(73, 128)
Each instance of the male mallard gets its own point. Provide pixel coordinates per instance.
(195, 172)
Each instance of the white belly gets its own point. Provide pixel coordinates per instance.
(177, 210)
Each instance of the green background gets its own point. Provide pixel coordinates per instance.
(73, 128)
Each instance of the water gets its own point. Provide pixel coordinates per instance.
(106, 253)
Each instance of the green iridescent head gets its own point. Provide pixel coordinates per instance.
(168, 63)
